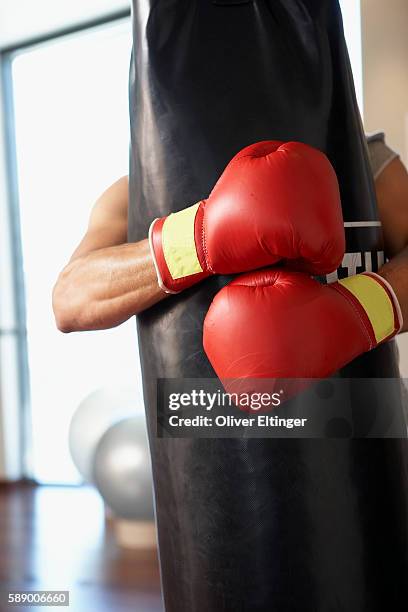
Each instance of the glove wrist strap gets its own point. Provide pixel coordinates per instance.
(393, 297)
(377, 299)
(176, 244)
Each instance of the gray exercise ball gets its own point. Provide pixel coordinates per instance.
(94, 415)
(122, 471)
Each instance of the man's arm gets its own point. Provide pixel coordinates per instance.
(392, 195)
(107, 280)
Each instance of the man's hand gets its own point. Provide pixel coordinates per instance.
(276, 324)
(107, 280)
(274, 201)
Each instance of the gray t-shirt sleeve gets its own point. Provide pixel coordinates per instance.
(380, 154)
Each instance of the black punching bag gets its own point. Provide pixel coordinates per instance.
(259, 525)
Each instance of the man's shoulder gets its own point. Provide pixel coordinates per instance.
(373, 137)
(380, 154)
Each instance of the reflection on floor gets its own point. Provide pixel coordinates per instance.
(56, 538)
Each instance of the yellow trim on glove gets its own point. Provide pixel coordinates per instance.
(375, 301)
(178, 243)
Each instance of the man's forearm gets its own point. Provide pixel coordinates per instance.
(103, 288)
(395, 272)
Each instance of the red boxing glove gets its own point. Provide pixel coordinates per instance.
(273, 201)
(279, 324)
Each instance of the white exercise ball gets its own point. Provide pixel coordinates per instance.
(122, 469)
(93, 417)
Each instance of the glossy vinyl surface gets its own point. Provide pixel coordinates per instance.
(258, 525)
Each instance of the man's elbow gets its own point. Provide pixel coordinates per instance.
(64, 326)
(64, 307)
(62, 313)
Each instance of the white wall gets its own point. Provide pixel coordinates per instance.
(24, 19)
(385, 70)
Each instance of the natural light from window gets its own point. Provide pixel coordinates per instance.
(72, 131)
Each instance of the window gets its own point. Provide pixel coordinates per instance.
(72, 141)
